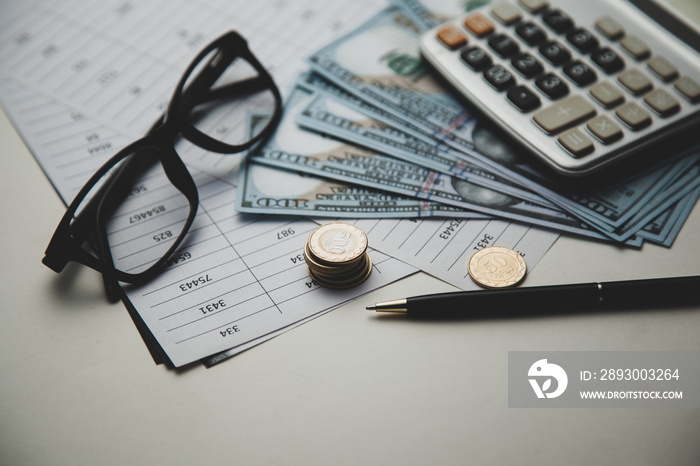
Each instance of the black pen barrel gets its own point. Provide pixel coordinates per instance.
(653, 292)
(560, 298)
(507, 301)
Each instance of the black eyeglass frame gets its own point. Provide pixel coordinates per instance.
(67, 242)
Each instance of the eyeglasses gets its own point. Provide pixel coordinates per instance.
(200, 111)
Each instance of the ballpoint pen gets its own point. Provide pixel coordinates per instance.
(556, 298)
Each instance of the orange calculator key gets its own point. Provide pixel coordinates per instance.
(452, 37)
(479, 24)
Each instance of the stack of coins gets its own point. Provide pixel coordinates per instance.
(336, 254)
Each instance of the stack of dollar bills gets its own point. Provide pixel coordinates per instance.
(369, 131)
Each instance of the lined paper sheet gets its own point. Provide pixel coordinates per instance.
(81, 80)
(118, 61)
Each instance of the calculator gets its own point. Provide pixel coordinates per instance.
(581, 84)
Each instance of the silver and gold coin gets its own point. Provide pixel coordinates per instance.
(497, 267)
(338, 242)
(336, 255)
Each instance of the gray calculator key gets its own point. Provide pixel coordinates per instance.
(635, 46)
(607, 94)
(689, 88)
(576, 142)
(662, 102)
(609, 27)
(506, 12)
(633, 115)
(564, 113)
(663, 68)
(634, 80)
(604, 128)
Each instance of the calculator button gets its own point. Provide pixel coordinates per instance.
(523, 98)
(580, 73)
(576, 142)
(663, 68)
(604, 128)
(609, 27)
(582, 39)
(564, 113)
(607, 94)
(633, 115)
(476, 58)
(478, 24)
(452, 37)
(503, 45)
(558, 20)
(635, 46)
(533, 6)
(527, 65)
(506, 13)
(608, 60)
(499, 77)
(555, 53)
(662, 102)
(530, 33)
(635, 81)
(689, 88)
(552, 85)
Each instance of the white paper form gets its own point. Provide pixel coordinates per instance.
(237, 279)
(119, 61)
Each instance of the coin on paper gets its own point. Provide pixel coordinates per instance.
(338, 242)
(336, 255)
(497, 267)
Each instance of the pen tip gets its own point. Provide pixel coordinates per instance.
(371, 308)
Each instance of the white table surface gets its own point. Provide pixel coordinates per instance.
(77, 385)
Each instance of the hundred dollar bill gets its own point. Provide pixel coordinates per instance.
(380, 62)
(681, 188)
(266, 189)
(295, 149)
(359, 64)
(652, 187)
(331, 115)
(663, 229)
(315, 82)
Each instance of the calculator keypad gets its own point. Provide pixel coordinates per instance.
(587, 85)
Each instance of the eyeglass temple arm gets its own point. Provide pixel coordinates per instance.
(80, 229)
(84, 225)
